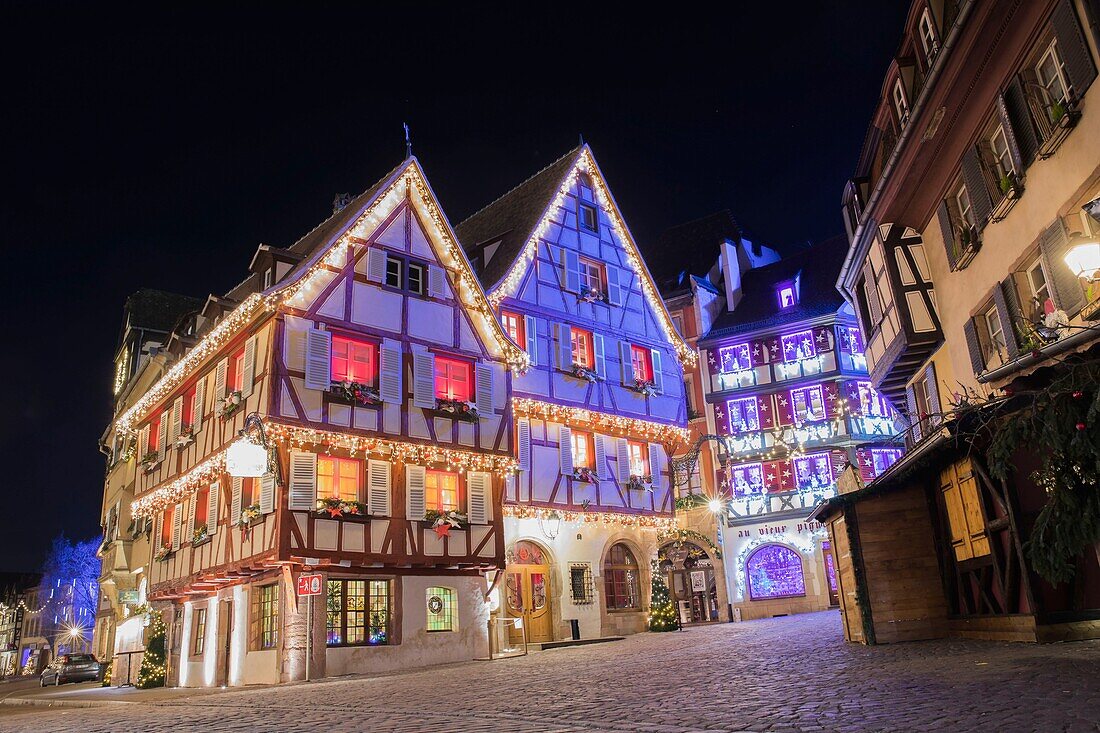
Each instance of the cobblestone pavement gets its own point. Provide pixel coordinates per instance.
(784, 674)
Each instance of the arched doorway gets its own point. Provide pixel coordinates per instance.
(691, 582)
(527, 593)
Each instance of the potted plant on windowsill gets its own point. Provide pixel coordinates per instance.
(163, 553)
(337, 508)
(967, 245)
(1010, 186)
(200, 535)
(249, 515)
(581, 372)
(231, 403)
(444, 521)
(185, 438)
(644, 387)
(640, 483)
(591, 295)
(150, 460)
(585, 474)
(456, 409)
(355, 393)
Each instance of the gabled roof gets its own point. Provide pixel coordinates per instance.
(690, 248)
(158, 310)
(512, 217)
(816, 268)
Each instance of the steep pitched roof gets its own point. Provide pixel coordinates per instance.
(158, 310)
(690, 248)
(512, 218)
(816, 268)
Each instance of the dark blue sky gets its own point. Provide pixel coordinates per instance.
(149, 147)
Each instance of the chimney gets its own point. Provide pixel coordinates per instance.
(731, 272)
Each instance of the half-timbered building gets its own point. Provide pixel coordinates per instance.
(381, 381)
(597, 413)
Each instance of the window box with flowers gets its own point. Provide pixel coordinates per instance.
(200, 535)
(456, 409)
(640, 483)
(355, 393)
(591, 295)
(150, 460)
(453, 518)
(1011, 190)
(186, 437)
(1055, 122)
(644, 387)
(337, 508)
(250, 515)
(585, 474)
(968, 243)
(163, 553)
(231, 403)
(582, 372)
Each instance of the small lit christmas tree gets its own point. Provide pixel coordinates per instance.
(662, 611)
(153, 666)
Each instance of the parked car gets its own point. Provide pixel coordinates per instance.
(71, 668)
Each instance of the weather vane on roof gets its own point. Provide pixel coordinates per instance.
(408, 142)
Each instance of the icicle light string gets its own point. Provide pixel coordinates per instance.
(626, 426)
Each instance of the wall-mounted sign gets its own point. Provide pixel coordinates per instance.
(698, 581)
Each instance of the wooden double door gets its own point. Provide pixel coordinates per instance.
(527, 593)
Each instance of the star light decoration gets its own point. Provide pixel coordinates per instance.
(300, 290)
(616, 424)
(586, 164)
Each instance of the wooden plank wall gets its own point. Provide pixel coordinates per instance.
(850, 613)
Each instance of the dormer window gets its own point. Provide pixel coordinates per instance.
(588, 217)
(901, 104)
(787, 293)
(928, 41)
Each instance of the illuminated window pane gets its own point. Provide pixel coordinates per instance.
(774, 571)
(442, 613)
(441, 491)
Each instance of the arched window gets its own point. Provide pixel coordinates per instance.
(774, 571)
(620, 572)
(442, 609)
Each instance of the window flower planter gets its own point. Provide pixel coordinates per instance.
(588, 295)
(1011, 191)
(1063, 117)
(644, 387)
(967, 243)
(186, 437)
(355, 393)
(456, 410)
(584, 373)
(453, 519)
(200, 535)
(585, 474)
(249, 515)
(231, 404)
(163, 553)
(150, 460)
(640, 483)
(341, 509)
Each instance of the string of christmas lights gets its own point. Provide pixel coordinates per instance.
(625, 426)
(604, 518)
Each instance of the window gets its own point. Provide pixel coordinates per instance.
(453, 379)
(620, 573)
(927, 32)
(642, 363)
(743, 415)
(734, 358)
(1003, 167)
(807, 404)
(995, 334)
(1039, 290)
(415, 278)
(747, 479)
(591, 275)
(883, 458)
(678, 323)
(166, 521)
(202, 505)
(774, 571)
(580, 583)
(922, 400)
(154, 433)
(962, 207)
(442, 609)
(394, 268)
(787, 296)
(639, 458)
(358, 612)
(871, 403)
(235, 379)
(403, 274)
(583, 453)
(265, 617)
(441, 491)
(813, 472)
(588, 217)
(354, 361)
(798, 346)
(901, 106)
(198, 632)
(853, 339)
(1050, 73)
(582, 348)
(513, 326)
(338, 478)
(188, 418)
(249, 494)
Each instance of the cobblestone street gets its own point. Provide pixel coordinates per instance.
(784, 674)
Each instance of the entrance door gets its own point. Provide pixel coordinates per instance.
(830, 573)
(225, 639)
(695, 594)
(527, 592)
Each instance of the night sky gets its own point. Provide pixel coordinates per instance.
(150, 148)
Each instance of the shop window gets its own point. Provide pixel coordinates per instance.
(358, 612)
(354, 361)
(265, 617)
(620, 573)
(338, 478)
(442, 609)
(774, 571)
(198, 631)
(441, 491)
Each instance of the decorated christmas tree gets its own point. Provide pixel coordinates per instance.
(153, 666)
(662, 611)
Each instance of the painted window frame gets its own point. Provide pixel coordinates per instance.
(641, 363)
(803, 337)
(444, 381)
(336, 477)
(583, 447)
(1059, 67)
(929, 38)
(403, 265)
(368, 610)
(752, 477)
(198, 631)
(591, 275)
(585, 349)
(995, 337)
(807, 393)
(448, 621)
(265, 617)
(513, 325)
(900, 98)
(753, 410)
(622, 579)
(638, 453)
(583, 209)
(791, 553)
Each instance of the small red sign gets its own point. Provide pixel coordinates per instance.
(309, 585)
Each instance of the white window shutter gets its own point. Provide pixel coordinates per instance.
(143, 443)
(614, 286)
(303, 480)
(191, 504)
(563, 351)
(478, 493)
(424, 379)
(658, 375)
(219, 381)
(376, 264)
(622, 451)
(200, 397)
(437, 281)
(235, 503)
(598, 354)
(626, 362)
(570, 269)
(267, 493)
(523, 443)
(601, 456)
(177, 525)
(318, 359)
(389, 372)
(531, 333)
(379, 482)
(249, 366)
(162, 435)
(414, 492)
(212, 508)
(177, 419)
(656, 464)
(484, 385)
(158, 523)
(565, 449)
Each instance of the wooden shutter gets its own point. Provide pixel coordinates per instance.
(484, 386)
(415, 480)
(158, 523)
(830, 394)
(249, 366)
(1008, 312)
(523, 443)
(980, 203)
(563, 351)
(379, 487)
(626, 363)
(656, 464)
(424, 379)
(318, 359)
(565, 450)
(190, 528)
(622, 455)
(914, 412)
(965, 518)
(235, 507)
(1065, 287)
(974, 346)
(932, 388)
(1010, 136)
(1072, 47)
(176, 420)
(390, 372)
(785, 408)
(177, 525)
(947, 229)
(570, 270)
(873, 302)
(143, 442)
(658, 374)
(376, 264)
(866, 465)
(479, 497)
(437, 287)
(614, 285)
(722, 418)
(200, 398)
(765, 411)
(212, 508)
(303, 480)
(600, 451)
(531, 334)
(219, 382)
(1015, 109)
(267, 493)
(162, 435)
(598, 355)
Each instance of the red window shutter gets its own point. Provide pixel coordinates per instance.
(757, 351)
(721, 418)
(822, 339)
(851, 393)
(765, 410)
(785, 469)
(839, 459)
(785, 408)
(866, 465)
(831, 393)
(843, 344)
(773, 474)
(774, 352)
